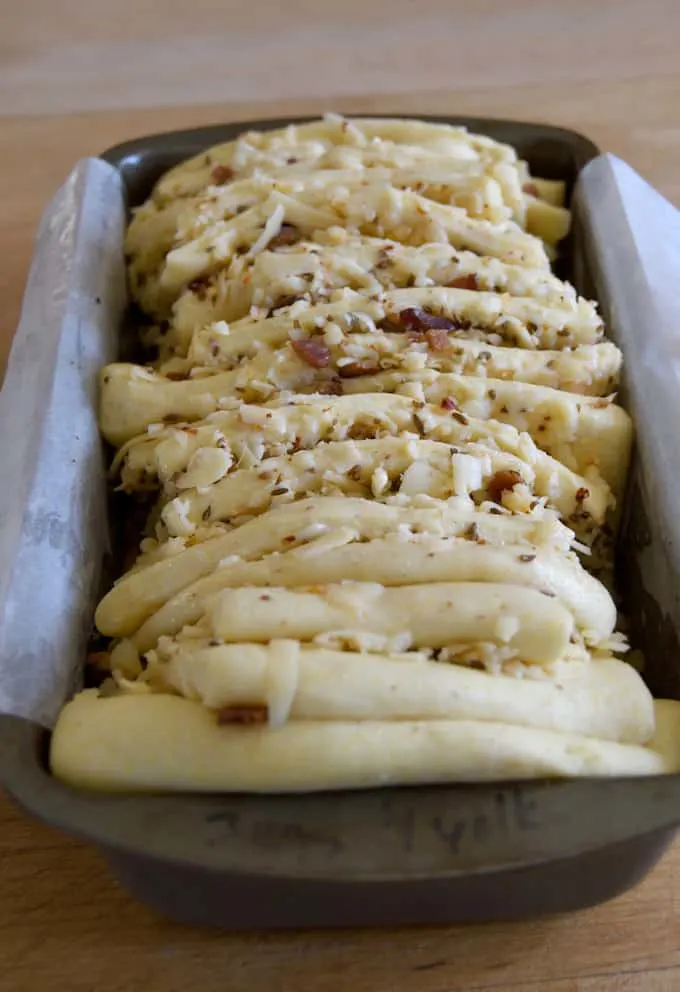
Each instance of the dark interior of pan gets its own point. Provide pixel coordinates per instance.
(381, 857)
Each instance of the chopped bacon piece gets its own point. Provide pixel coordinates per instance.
(100, 660)
(222, 174)
(243, 715)
(311, 351)
(330, 387)
(199, 287)
(288, 235)
(415, 319)
(366, 366)
(468, 281)
(448, 403)
(505, 478)
(437, 339)
(362, 431)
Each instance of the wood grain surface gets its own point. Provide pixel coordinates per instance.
(78, 77)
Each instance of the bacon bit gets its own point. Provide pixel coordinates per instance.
(531, 189)
(285, 301)
(314, 353)
(367, 366)
(468, 281)
(361, 432)
(243, 715)
(582, 494)
(288, 235)
(471, 532)
(416, 319)
(391, 325)
(437, 339)
(99, 659)
(222, 174)
(506, 478)
(330, 387)
(199, 287)
(448, 403)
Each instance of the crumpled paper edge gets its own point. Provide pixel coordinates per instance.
(53, 500)
(632, 236)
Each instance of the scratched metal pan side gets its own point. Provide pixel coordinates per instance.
(416, 855)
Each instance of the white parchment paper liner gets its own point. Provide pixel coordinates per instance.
(53, 531)
(52, 498)
(631, 237)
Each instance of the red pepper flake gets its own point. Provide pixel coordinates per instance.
(244, 715)
(448, 403)
(468, 281)
(582, 494)
(314, 353)
(366, 366)
(531, 189)
(222, 174)
(504, 479)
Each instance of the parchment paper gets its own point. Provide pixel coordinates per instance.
(52, 496)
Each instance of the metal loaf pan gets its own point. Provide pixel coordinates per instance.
(383, 857)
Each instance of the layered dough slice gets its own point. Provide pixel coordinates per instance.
(292, 681)
(345, 553)
(378, 210)
(141, 743)
(311, 271)
(399, 470)
(337, 142)
(133, 397)
(583, 432)
(318, 526)
(443, 316)
(197, 455)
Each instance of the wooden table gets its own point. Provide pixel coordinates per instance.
(610, 69)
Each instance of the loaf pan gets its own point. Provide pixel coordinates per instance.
(409, 855)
